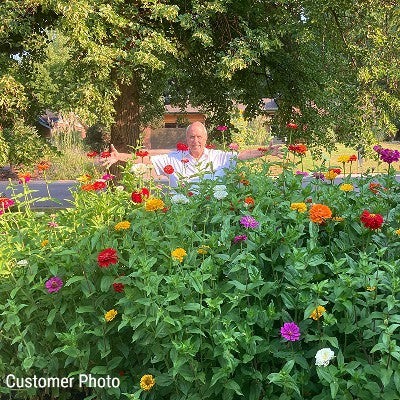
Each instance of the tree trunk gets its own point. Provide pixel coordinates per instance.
(125, 132)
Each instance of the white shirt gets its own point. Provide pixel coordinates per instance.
(209, 166)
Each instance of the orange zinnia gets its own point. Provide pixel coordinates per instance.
(320, 212)
(43, 166)
(249, 201)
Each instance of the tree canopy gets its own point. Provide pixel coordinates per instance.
(331, 66)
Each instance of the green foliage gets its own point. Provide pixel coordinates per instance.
(24, 145)
(208, 327)
(3, 149)
(97, 137)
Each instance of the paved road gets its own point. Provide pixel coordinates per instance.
(60, 191)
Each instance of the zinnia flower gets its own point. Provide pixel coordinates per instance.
(138, 197)
(300, 207)
(87, 188)
(290, 331)
(371, 221)
(317, 313)
(139, 169)
(107, 257)
(346, 187)
(154, 204)
(43, 166)
(118, 287)
(108, 177)
(142, 153)
(147, 382)
(44, 242)
(24, 177)
(203, 249)
(331, 175)
(179, 199)
(84, 178)
(178, 254)
(234, 146)
(319, 175)
(343, 159)
(291, 125)
(249, 201)
(388, 155)
(54, 284)
(320, 212)
(249, 222)
(352, 158)
(371, 288)
(219, 188)
(52, 224)
(373, 187)
(220, 194)
(5, 203)
(239, 238)
(323, 357)
(98, 185)
(123, 225)
(303, 173)
(169, 169)
(105, 154)
(299, 149)
(210, 146)
(110, 315)
(221, 128)
(91, 154)
(182, 147)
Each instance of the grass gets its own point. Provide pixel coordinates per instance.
(369, 164)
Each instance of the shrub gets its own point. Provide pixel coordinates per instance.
(97, 138)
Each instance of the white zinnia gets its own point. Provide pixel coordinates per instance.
(324, 356)
(119, 188)
(219, 188)
(139, 169)
(179, 199)
(220, 194)
(23, 263)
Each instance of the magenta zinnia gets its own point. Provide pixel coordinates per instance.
(249, 222)
(54, 284)
(290, 331)
(239, 238)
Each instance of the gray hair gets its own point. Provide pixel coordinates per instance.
(195, 124)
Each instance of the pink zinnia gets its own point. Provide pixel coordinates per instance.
(234, 146)
(222, 128)
(54, 284)
(240, 238)
(249, 222)
(302, 173)
(290, 331)
(107, 177)
(52, 224)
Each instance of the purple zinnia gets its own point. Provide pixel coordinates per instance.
(319, 175)
(290, 331)
(54, 284)
(304, 173)
(240, 238)
(249, 222)
(108, 177)
(389, 156)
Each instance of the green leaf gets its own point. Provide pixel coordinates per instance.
(231, 384)
(52, 314)
(85, 309)
(334, 389)
(74, 279)
(106, 282)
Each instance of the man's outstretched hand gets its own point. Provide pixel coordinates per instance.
(114, 157)
(273, 150)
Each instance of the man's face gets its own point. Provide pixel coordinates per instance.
(196, 139)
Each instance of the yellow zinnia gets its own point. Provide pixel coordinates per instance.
(84, 178)
(343, 159)
(122, 225)
(44, 242)
(203, 249)
(300, 207)
(154, 204)
(338, 219)
(110, 315)
(317, 313)
(331, 175)
(346, 187)
(147, 382)
(178, 254)
(397, 232)
(371, 288)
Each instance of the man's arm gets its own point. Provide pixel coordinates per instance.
(255, 153)
(116, 156)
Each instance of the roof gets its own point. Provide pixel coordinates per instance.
(269, 106)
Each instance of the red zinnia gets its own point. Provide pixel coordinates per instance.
(99, 185)
(105, 154)
(182, 147)
(169, 169)
(371, 221)
(336, 170)
(137, 197)
(353, 158)
(91, 154)
(298, 148)
(291, 125)
(107, 257)
(190, 194)
(142, 153)
(118, 287)
(145, 192)
(373, 187)
(165, 209)
(210, 146)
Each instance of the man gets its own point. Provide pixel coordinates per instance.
(198, 161)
